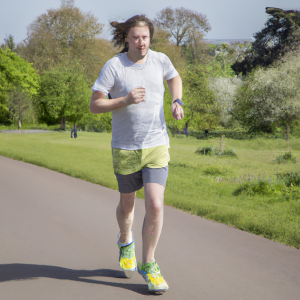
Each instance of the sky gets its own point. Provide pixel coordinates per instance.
(229, 19)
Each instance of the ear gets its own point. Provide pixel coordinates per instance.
(126, 40)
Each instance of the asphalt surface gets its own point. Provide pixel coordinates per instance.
(58, 241)
(25, 131)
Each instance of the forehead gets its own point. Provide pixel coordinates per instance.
(139, 31)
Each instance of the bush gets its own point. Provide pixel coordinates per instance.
(215, 151)
(285, 158)
(287, 185)
(228, 153)
(290, 179)
(235, 134)
(207, 151)
(259, 187)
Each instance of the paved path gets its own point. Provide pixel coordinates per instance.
(58, 241)
(25, 131)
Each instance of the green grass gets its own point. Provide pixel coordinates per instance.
(200, 184)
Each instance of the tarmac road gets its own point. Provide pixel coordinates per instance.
(58, 241)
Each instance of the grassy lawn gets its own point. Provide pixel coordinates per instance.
(201, 185)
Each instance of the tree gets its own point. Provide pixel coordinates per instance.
(9, 43)
(21, 106)
(62, 35)
(15, 72)
(64, 93)
(182, 23)
(161, 43)
(200, 106)
(270, 96)
(225, 90)
(194, 49)
(96, 122)
(224, 55)
(280, 35)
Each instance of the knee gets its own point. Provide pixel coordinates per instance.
(126, 208)
(155, 206)
(126, 204)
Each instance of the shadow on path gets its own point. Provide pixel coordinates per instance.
(10, 272)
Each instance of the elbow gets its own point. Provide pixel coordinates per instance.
(91, 109)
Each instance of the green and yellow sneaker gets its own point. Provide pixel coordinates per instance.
(127, 260)
(151, 274)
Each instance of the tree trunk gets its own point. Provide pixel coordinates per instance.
(287, 131)
(63, 123)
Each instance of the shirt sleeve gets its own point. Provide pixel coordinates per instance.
(106, 79)
(169, 70)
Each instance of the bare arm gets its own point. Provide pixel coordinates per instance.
(100, 105)
(175, 87)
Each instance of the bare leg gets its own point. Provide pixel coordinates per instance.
(154, 203)
(125, 214)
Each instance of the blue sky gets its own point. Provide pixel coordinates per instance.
(229, 19)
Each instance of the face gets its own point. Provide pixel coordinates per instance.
(138, 40)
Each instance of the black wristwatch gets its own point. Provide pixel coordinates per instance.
(178, 101)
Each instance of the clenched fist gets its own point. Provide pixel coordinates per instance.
(136, 96)
(177, 111)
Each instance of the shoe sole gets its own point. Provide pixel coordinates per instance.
(128, 274)
(156, 292)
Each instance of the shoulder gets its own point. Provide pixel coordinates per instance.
(115, 62)
(159, 56)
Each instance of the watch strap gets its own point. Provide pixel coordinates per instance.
(178, 101)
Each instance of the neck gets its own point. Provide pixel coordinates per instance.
(136, 58)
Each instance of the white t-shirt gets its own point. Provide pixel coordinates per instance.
(137, 126)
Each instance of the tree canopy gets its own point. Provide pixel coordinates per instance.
(61, 35)
(280, 35)
(270, 96)
(64, 92)
(183, 24)
(200, 106)
(15, 72)
(9, 43)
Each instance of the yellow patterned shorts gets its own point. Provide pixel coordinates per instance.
(130, 161)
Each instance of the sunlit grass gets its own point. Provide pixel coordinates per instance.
(200, 184)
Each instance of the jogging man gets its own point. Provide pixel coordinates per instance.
(133, 80)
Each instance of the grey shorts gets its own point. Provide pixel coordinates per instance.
(135, 181)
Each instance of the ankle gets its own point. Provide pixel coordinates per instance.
(125, 239)
(146, 261)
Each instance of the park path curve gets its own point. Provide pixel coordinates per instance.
(58, 241)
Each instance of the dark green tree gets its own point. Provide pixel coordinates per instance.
(15, 72)
(64, 94)
(201, 109)
(280, 35)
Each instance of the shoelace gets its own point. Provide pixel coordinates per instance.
(127, 251)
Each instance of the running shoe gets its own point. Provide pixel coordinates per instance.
(127, 260)
(151, 274)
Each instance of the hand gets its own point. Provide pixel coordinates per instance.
(177, 111)
(136, 96)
